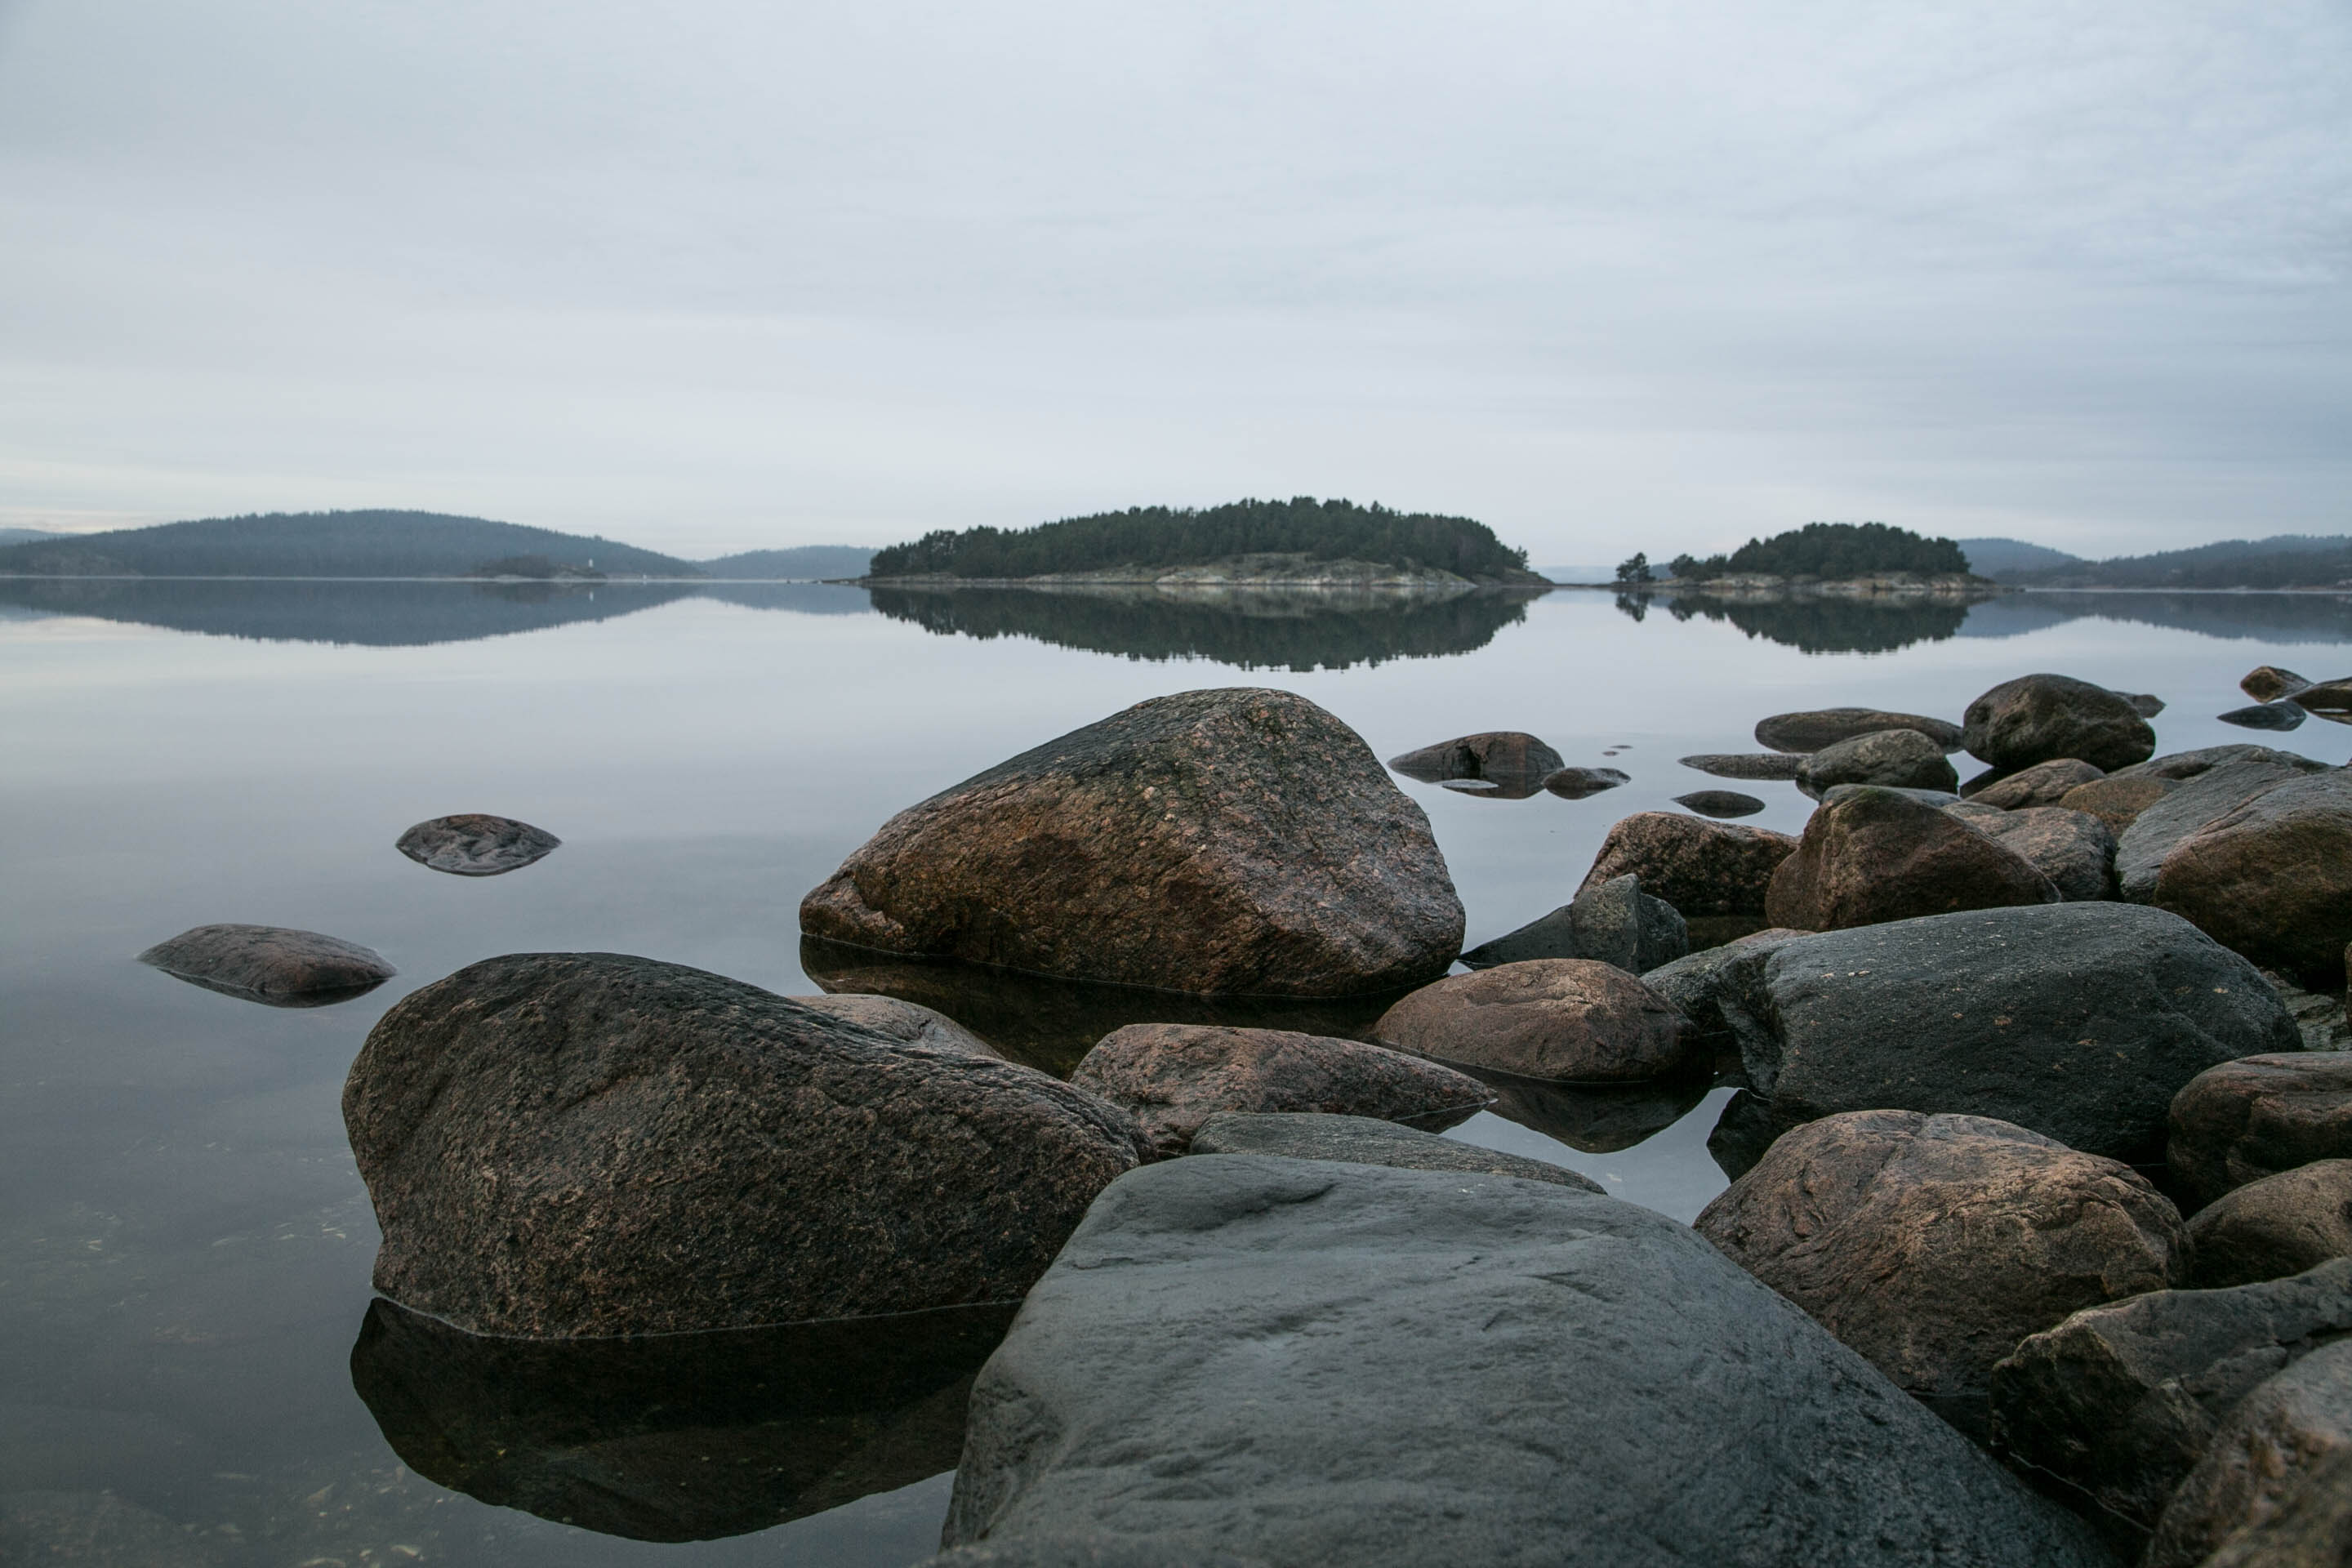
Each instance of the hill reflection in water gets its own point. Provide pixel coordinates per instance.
(1814, 623)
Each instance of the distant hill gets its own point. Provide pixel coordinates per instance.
(1145, 538)
(2281, 561)
(327, 544)
(25, 535)
(2001, 557)
(805, 562)
(1829, 551)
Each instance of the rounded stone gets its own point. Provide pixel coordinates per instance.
(2036, 718)
(2268, 682)
(2242, 1120)
(273, 964)
(1719, 803)
(910, 1023)
(2276, 1227)
(1701, 867)
(2283, 1431)
(472, 844)
(1875, 856)
(1901, 759)
(1367, 1141)
(2043, 784)
(2116, 802)
(1815, 729)
(2272, 879)
(1563, 1020)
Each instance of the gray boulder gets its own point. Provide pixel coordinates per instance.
(1615, 923)
(1364, 1141)
(2043, 784)
(1317, 1363)
(1515, 761)
(2241, 1120)
(1756, 765)
(472, 844)
(2181, 766)
(2273, 879)
(1818, 729)
(275, 965)
(2038, 718)
(1939, 798)
(2275, 1227)
(1899, 758)
(1719, 803)
(1716, 988)
(2206, 796)
(1701, 867)
(2074, 848)
(1563, 1020)
(2279, 1434)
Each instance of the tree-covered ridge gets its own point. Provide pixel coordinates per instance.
(1829, 550)
(1162, 536)
(326, 545)
(2282, 561)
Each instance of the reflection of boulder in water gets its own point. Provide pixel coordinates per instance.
(1049, 1024)
(1596, 1121)
(676, 1437)
(1298, 628)
(1822, 623)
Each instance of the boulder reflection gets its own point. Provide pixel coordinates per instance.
(1596, 1119)
(676, 1437)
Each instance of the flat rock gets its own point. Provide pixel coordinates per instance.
(2265, 716)
(1701, 867)
(2076, 1021)
(2074, 848)
(1875, 856)
(2184, 765)
(1615, 923)
(471, 844)
(2273, 879)
(1173, 1076)
(910, 1023)
(2274, 1227)
(1756, 765)
(1939, 798)
(2279, 1434)
(1564, 1020)
(2036, 718)
(1310, 1364)
(1820, 728)
(1901, 759)
(1515, 761)
(567, 1144)
(2268, 682)
(1719, 803)
(2205, 797)
(1235, 841)
(2241, 1120)
(2308, 1526)
(273, 964)
(1364, 1141)
(1578, 784)
(2117, 802)
(2043, 784)
(2119, 1402)
(1934, 1244)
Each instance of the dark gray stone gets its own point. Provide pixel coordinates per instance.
(2273, 879)
(271, 964)
(1818, 729)
(1719, 803)
(1363, 1141)
(1578, 784)
(1514, 762)
(2265, 716)
(1716, 988)
(2258, 1115)
(2074, 848)
(2148, 705)
(2181, 766)
(2036, 718)
(2205, 797)
(472, 844)
(1318, 1363)
(1614, 923)
(2278, 1434)
(1896, 759)
(1755, 765)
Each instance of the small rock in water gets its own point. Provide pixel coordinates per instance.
(2243, 1119)
(2268, 683)
(2274, 1227)
(1754, 765)
(1514, 762)
(1903, 758)
(2264, 716)
(2143, 704)
(1821, 727)
(271, 964)
(2043, 784)
(1365, 1141)
(2036, 718)
(1564, 1020)
(1701, 867)
(473, 845)
(1576, 783)
(2281, 1432)
(1719, 803)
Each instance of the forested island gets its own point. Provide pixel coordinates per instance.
(1298, 540)
(1819, 553)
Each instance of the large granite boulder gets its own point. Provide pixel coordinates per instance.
(2039, 717)
(2043, 784)
(1363, 1141)
(910, 1023)
(473, 844)
(1934, 1244)
(1615, 923)
(1875, 856)
(2202, 799)
(1901, 759)
(1819, 729)
(1318, 1363)
(1228, 841)
(273, 964)
(2118, 1402)
(1701, 867)
(2279, 1434)
(1564, 1020)
(1515, 761)
(2077, 1021)
(563, 1144)
(2117, 802)
(1173, 1076)
(2274, 1227)
(2074, 848)
(2274, 877)
(2243, 1119)
(2308, 1526)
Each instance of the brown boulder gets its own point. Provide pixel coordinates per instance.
(2257, 1116)
(1899, 758)
(273, 964)
(1576, 784)
(563, 1144)
(1701, 867)
(1225, 841)
(1817, 729)
(1173, 1076)
(2073, 849)
(2310, 1525)
(2268, 683)
(2043, 784)
(2142, 848)
(2280, 1434)
(1934, 1244)
(1876, 855)
(2272, 879)
(1562, 1020)
(2279, 1225)
(2116, 802)
(2329, 700)
(2036, 718)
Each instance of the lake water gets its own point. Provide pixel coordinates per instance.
(185, 1243)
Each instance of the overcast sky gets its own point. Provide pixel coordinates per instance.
(710, 276)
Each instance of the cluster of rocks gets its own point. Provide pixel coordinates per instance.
(1505, 764)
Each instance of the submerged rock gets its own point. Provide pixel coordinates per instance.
(2243, 1119)
(1719, 803)
(1578, 784)
(2272, 879)
(1319, 1363)
(2279, 1434)
(471, 844)
(1516, 763)
(2116, 801)
(1874, 856)
(908, 1022)
(2037, 718)
(569, 1144)
(1615, 923)
(2043, 784)
(2274, 1227)
(1901, 759)
(1363, 1141)
(2074, 848)
(1760, 766)
(2267, 682)
(1230, 841)
(1173, 1076)
(1563, 1020)
(271, 964)
(1820, 728)
(1699, 866)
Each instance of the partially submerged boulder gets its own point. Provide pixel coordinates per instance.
(1699, 866)
(2254, 1117)
(2272, 879)
(1874, 856)
(2043, 784)
(1563, 1020)
(472, 844)
(1818, 729)
(2274, 1227)
(273, 964)
(2038, 718)
(1719, 803)
(1902, 759)
(566, 1144)
(2074, 848)
(2278, 1435)
(1515, 761)
(2268, 682)
(1579, 783)
(1173, 1076)
(1310, 1364)
(1364, 1141)
(1230, 841)
(1934, 1244)
(2205, 797)
(1615, 923)
(1758, 765)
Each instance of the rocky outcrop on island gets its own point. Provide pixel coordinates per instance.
(272, 964)
(1701, 867)
(1875, 856)
(577, 1144)
(1235, 841)
(1364, 1141)
(1562, 1020)
(2040, 718)
(2250, 1118)
(474, 845)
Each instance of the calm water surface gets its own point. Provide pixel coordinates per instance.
(184, 1244)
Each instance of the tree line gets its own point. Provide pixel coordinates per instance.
(1825, 550)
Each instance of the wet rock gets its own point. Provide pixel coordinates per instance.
(1901, 759)
(1699, 866)
(2117, 802)
(2276, 1227)
(2077, 1021)
(1578, 784)
(471, 844)
(910, 1023)
(2119, 1402)
(563, 1144)
(2037, 718)
(2272, 879)
(677, 1437)
(2241, 1121)
(2074, 848)
(1873, 856)
(1719, 803)
(1598, 1119)
(1821, 727)
(2184, 765)
(2268, 682)
(1516, 763)
(2328, 699)
(95, 1528)
(1228, 841)
(1363, 1141)
(2043, 784)
(1561, 1020)
(2309, 1526)
(1615, 923)
(2280, 1432)
(1759, 766)
(1173, 1076)
(1280, 1360)
(2142, 848)
(1716, 988)
(2265, 716)
(271, 964)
